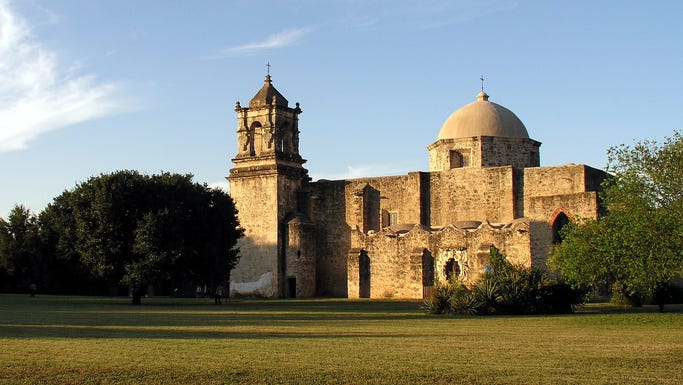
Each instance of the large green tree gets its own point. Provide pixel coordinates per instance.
(636, 249)
(22, 260)
(134, 229)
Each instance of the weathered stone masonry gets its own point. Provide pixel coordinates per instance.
(396, 236)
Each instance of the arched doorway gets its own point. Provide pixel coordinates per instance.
(364, 274)
(427, 273)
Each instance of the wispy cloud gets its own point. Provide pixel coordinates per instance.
(450, 13)
(52, 16)
(281, 39)
(361, 171)
(418, 15)
(36, 94)
(222, 185)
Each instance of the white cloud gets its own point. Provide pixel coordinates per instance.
(36, 94)
(362, 171)
(352, 172)
(281, 39)
(222, 185)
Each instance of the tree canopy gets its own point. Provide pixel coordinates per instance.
(133, 229)
(21, 257)
(636, 249)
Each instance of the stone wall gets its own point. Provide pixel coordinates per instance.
(395, 194)
(579, 205)
(255, 200)
(396, 260)
(301, 258)
(347, 217)
(515, 152)
(572, 189)
(555, 180)
(327, 209)
(395, 269)
(472, 194)
(265, 196)
(541, 241)
(485, 151)
(439, 152)
(391, 236)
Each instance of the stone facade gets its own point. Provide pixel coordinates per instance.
(396, 236)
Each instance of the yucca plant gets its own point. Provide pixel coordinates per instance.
(487, 295)
(439, 301)
(464, 301)
(508, 289)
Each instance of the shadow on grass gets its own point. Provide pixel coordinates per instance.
(608, 308)
(80, 332)
(22, 317)
(178, 318)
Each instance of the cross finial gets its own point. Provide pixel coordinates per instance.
(268, 70)
(482, 82)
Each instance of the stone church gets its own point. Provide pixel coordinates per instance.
(395, 236)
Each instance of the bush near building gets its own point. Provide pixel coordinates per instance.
(505, 289)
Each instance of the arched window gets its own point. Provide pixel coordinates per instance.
(255, 139)
(285, 145)
(561, 220)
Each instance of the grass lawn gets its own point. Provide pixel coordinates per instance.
(95, 340)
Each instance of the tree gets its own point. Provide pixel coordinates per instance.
(133, 229)
(636, 249)
(22, 260)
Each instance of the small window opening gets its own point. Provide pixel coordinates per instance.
(459, 159)
(532, 158)
(392, 218)
(452, 269)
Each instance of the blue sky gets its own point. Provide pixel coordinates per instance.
(90, 87)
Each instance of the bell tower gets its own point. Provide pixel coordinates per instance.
(267, 176)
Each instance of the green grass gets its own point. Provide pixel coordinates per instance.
(94, 340)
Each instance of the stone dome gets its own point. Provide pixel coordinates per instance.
(483, 118)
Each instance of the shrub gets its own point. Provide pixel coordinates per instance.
(510, 289)
(463, 301)
(560, 298)
(439, 301)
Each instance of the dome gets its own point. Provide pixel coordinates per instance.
(482, 118)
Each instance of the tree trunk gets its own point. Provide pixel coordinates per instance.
(136, 298)
(662, 295)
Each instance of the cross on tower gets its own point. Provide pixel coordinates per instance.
(268, 70)
(482, 82)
